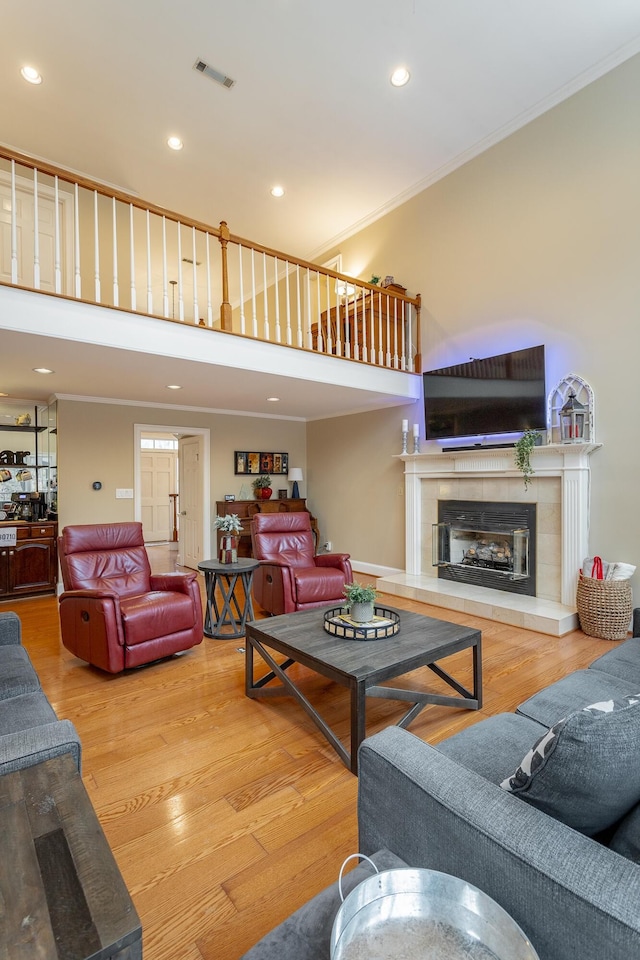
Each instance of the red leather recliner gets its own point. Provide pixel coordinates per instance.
(114, 613)
(290, 577)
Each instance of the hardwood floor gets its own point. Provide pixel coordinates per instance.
(225, 814)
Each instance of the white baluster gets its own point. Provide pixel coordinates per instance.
(132, 259)
(36, 233)
(180, 288)
(298, 306)
(319, 339)
(56, 238)
(308, 323)
(196, 311)
(265, 298)
(277, 302)
(165, 275)
(14, 226)
(96, 247)
(209, 301)
(149, 288)
(76, 245)
(241, 283)
(380, 329)
(286, 276)
(253, 294)
(388, 356)
(116, 291)
(329, 331)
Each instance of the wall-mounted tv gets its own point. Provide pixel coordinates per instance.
(497, 395)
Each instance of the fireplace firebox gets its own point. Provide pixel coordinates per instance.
(489, 544)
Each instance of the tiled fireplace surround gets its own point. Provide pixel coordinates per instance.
(559, 488)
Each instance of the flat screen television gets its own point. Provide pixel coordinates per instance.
(498, 395)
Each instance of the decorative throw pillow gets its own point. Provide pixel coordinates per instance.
(584, 771)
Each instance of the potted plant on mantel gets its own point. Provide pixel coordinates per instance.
(522, 454)
(230, 527)
(262, 487)
(360, 600)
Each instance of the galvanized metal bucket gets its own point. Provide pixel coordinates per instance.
(425, 915)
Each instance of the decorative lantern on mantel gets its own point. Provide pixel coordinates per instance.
(572, 417)
(571, 411)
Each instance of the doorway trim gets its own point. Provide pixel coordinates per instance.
(205, 433)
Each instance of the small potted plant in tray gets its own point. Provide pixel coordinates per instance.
(360, 600)
(262, 487)
(230, 527)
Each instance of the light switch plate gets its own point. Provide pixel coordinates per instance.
(124, 493)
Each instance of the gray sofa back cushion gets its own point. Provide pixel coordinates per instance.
(584, 770)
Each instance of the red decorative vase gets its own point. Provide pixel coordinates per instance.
(264, 493)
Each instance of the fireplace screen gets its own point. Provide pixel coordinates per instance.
(489, 544)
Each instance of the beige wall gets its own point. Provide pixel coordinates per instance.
(535, 241)
(96, 442)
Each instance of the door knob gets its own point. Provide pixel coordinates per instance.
(183, 513)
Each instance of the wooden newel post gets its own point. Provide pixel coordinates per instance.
(418, 357)
(225, 306)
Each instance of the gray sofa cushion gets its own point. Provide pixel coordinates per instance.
(25, 711)
(626, 839)
(493, 747)
(572, 693)
(584, 771)
(623, 661)
(17, 675)
(306, 934)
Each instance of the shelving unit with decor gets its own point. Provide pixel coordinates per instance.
(28, 498)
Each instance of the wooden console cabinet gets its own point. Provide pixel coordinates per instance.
(377, 321)
(29, 567)
(246, 509)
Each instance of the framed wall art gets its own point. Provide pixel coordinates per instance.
(255, 462)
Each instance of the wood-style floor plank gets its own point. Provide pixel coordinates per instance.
(226, 814)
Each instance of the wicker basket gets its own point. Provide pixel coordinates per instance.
(604, 607)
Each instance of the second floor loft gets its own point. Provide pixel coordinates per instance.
(97, 250)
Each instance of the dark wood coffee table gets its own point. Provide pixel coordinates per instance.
(361, 666)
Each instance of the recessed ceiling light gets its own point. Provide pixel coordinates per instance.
(277, 191)
(42, 370)
(174, 386)
(175, 143)
(31, 75)
(273, 399)
(3, 394)
(400, 76)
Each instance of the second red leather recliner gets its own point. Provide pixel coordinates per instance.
(290, 577)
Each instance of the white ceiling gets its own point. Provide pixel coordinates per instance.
(312, 107)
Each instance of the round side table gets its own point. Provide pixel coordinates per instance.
(226, 620)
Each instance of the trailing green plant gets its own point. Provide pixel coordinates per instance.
(522, 454)
(262, 482)
(358, 593)
(375, 279)
(230, 523)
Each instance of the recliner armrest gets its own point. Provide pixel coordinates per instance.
(330, 559)
(636, 623)
(180, 582)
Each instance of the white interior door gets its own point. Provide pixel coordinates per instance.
(191, 520)
(158, 477)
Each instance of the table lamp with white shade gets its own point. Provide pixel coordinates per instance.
(294, 475)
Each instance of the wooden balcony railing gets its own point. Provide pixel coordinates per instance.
(70, 236)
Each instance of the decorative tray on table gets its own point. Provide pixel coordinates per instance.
(385, 623)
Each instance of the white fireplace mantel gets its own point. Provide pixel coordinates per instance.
(568, 462)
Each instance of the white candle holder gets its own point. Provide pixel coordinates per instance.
(405, 437)
(416, 444)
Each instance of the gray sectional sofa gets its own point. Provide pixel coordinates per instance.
(29, 729)
(552, 834)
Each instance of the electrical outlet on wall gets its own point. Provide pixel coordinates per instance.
(327, 546)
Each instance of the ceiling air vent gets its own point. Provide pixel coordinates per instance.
(213, 74)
